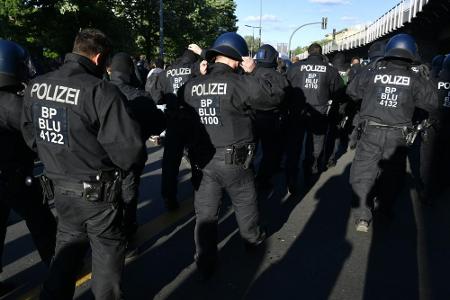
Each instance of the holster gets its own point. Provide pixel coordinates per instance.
(107, 187)
(240, 155)
(48, 191)
(361, 129)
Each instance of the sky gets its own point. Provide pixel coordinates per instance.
(281, 17)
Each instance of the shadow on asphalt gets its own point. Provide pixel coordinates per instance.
(392, 269)
(313, 262)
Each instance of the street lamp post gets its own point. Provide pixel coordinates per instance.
(252, 50)
(260, 21)
(324, 26)
(161, 30)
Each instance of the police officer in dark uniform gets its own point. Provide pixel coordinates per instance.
(151, 121)
(313, 83)
(84, 136)
(442, 127)
(165, 93)
(390, 93)
(221, 101)
(267, 122)
(434, 141)
(19, 191)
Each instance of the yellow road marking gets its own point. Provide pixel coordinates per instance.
(144, 233)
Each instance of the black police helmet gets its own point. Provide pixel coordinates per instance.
(446, 63)
(267, 56)
(229, 44)
(402, 46)
(377, 50)
(437, 61)
(13, 63)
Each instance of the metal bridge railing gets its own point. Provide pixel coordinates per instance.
(395, 18)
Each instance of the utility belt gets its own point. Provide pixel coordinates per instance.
(106, 187)
(240, 155)
(408, 132)
(385, 126)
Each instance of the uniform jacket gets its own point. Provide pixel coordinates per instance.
(313, 82)
(222, 100)
(14, 153)
(168, 82)
(276, 79)
(79, 123)
(390, 92)
(443, 88)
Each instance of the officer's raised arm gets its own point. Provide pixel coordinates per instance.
(263, 90)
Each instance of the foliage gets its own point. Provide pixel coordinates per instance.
(47, 27)
(252, 45)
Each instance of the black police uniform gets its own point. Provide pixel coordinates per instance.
(84, 136)
(19, 191)
(268, 130)
(390, 92)
(313, 82)
(434, 161)
(165, 92)
(222, 100)
(151, 121)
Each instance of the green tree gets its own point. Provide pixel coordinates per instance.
(253, 45)
(47, 27)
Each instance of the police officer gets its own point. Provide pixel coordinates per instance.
(442, 127)
(84, 136)
(221, 101)
(151, 121)
(164, 92)
(313, 83)
(19, 191)
(389, 93)
(267, 122)
(434, 144)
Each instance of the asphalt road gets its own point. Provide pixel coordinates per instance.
(312, 252)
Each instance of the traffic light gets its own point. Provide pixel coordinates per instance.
(324, 22)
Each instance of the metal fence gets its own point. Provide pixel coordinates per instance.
(395, 18)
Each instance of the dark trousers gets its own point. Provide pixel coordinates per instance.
(434, 160)
(130, 195)
(378, 169)
(27, 202)
(173, 153)
(315, 129)
(82, 224)
(268, 131)
(240, 186)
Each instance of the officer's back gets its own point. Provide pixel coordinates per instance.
(77, 124)
(443, 85)
(314, 81)
(85, 138)
(398, 90)
(170, 80)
